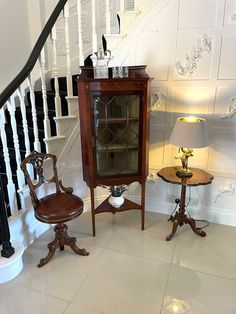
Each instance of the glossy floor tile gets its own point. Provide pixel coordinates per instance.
(193, 292)
(122, 283)
(128, 271)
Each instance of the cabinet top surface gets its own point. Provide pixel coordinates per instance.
(135, 73)
(199, 177)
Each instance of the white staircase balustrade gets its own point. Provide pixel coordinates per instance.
(46, 121)
(11, 106)
(108, 18)
(21, 95)
(11, 189)
(57, 97)
(80, 41)
(122, 5)
(94, 33)
(37, 145)
(68, 61)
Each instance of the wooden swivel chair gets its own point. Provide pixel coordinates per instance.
(55, 208)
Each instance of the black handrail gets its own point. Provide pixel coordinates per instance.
(23, 74)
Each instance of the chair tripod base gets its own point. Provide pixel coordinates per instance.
(61, 239)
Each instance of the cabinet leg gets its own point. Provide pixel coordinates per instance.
(93, 224)
(142, 205)
(93, 210)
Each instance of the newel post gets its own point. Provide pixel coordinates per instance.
(7, 249)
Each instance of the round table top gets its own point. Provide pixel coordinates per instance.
(199, 177)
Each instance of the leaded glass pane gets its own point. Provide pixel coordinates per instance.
(116, 121)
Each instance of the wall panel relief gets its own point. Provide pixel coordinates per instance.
(194, 58)
(226, 190)
(158, 105)
(225, 107)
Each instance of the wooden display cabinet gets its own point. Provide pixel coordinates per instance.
(114, 126)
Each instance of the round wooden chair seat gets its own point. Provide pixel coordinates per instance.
(58, 207)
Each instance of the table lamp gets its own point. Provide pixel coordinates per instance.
(188, 133)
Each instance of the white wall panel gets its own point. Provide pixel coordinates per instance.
(164, 21)
(15, 39)
(227, 64)
(230, 13)
(191, 100)
(197, 13)
(223, 150)
(154, 51)
(156, 148)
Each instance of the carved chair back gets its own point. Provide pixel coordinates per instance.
(37, 161)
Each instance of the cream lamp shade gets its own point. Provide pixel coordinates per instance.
(190, 132)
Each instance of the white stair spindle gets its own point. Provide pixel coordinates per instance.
(80, 41)
(108, 18)
(20, 176)
(37, 145)
(21, 95)
(55, 74)
(68, 63)
(46, 121)
(94, 34)
(122, 5)
(11, 189)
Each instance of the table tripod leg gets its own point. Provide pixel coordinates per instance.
(174, 228)
(192, 224)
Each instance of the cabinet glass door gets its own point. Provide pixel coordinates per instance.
(116, 124)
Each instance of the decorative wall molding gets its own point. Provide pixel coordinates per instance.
(152, 177)
(156, 101)
(226, 189)
(233, 18)
(203, 47)
(231, 110)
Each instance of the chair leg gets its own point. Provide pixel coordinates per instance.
(61, 239)
(52, 246)
(71, 242)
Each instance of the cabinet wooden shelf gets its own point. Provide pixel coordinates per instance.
(117, 120)
(116, 148)
(106, 207)
(114, 124)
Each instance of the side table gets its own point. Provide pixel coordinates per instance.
(199, 177)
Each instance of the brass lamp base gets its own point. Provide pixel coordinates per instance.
(183, 154)
(183, 173)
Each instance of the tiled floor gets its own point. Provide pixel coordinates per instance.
(128, 271)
